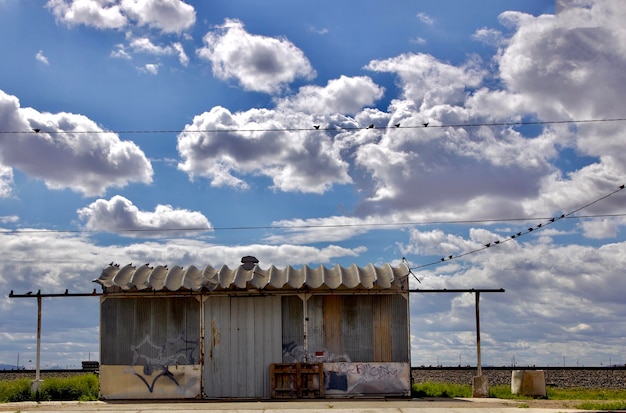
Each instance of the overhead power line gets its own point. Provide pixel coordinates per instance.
(423, 125)
(516, 235)
(303, 227)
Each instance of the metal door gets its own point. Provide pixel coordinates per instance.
(243, 336)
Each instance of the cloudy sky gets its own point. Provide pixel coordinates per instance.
(189, 132)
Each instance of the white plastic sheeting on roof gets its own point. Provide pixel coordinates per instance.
(209, 278)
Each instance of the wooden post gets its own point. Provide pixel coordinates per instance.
(478, 362)
(37, 381)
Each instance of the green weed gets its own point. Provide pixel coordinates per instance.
(604, 406)
(81, 388)
(432, 389)
(14, 390)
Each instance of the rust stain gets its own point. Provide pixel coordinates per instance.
(216, 338)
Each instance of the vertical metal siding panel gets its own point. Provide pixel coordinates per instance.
(238, 346)
(357, 328)
(277, 346)
(108, 330)
(267, 341)
(125, 337)
(119, 333)
(382, 328)
(275, 353)
(226, 377)
(262, 344)
(234, 357)
(400, 329)
(315, 326)
(192, 330)
(292, 326)
(333, 339)
(249, 363)
(161, 334)
(218, 374)
(259, 345)
(156, 313)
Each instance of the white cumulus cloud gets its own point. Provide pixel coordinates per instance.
(42, 58)
(63, 155)
(168, 16)
(346, 95)
(305, 161)
(258, 63)
(6, 181)
(120, 215)
(95, 13)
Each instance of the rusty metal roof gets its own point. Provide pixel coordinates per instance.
(162, 278)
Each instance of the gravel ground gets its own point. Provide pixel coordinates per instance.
(562, 378)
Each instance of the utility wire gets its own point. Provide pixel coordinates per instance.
(550, 221)
(301, 227)
(318, 127)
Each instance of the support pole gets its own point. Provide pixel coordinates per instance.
(478, 362)
(480, 384)
(305, 324)
(35, 384)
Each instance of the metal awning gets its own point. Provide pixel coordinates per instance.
(246, 276)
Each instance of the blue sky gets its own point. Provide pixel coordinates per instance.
(181, 133)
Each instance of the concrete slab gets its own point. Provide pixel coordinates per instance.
(301, 406)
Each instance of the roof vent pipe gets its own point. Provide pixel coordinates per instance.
(248, 262)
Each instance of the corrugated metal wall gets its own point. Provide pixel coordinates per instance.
(150, 331)
(243, 336)
(293, 329)
(359, 328)
(400, 346)
(150, 348)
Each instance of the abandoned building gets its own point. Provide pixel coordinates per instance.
(169, 333)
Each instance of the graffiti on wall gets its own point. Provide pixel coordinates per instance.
(367, 378)
(157, 359)
(293, 353)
